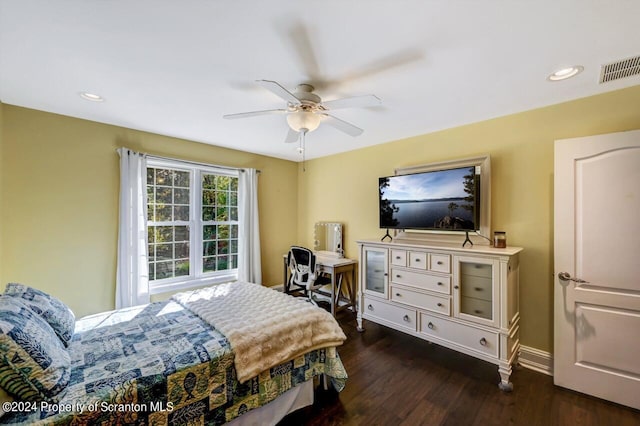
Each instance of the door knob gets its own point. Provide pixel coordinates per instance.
(565, 276)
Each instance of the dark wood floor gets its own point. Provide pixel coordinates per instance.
(396, 379)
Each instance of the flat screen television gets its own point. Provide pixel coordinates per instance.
(438, 200)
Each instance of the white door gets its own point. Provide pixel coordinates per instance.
(597, 266)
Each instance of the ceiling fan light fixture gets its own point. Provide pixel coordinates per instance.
(303, 120)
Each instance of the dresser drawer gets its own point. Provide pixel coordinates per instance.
(401, 317)
(476, 269)
(441, 305)
(418, 260)
(440, 263)
(441, 284)
(399, 257)
(469, 337)
(476, 307)
(477, 287)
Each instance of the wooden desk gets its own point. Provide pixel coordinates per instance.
(341, 297)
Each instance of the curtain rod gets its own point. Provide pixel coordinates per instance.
(196, 163)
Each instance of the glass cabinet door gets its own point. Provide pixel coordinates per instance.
(476, 283)
(375, 271)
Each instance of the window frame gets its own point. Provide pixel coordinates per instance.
(197, 277)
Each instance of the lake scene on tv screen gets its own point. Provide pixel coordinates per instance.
(433, 200)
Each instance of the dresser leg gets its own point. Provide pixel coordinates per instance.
(505, 372)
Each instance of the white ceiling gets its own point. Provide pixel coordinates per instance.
(175, 67)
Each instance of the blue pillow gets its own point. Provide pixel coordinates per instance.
(34, 365)
(52, 310)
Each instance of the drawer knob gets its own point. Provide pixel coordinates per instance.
(477, 311)
(417, 259)
(483, 341)
(370, 308)
(477, 288)
(439, 283)
(398, 257)
(456, 287)
(439, 262)
(397, 276)
(406, 318)
(398, 294)
(440, 304)
(430, 325)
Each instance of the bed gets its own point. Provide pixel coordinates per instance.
(164, 363)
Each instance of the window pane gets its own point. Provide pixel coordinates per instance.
(223, 247)
(234, 231)
(223, 182)
(208, 213)
(222, 263)
(163, 213)
(234, 262)
(208, 181)
(150, 172)
(233, 199)
(164, 270)
(208, 198)
(182, 251)
(222, 214)
(233, 185)
(182, 233)
(181, 179)
(163, 177)
(181, 196)
(209, 248)
(164, 195)
(221, 198)
(181, 213)
(182, 268)
(152, 271)
(209, 232)
(164, 251)
(234, 213)
(223, 231)
(233, 247)
(164, 234)
(150, 212)
(209, 264)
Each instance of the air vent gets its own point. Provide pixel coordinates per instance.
(620, 69)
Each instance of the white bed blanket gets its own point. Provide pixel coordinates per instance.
(264, 327)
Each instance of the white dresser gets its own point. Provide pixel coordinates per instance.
(463, 298)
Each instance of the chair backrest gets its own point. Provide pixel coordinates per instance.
(302, 265)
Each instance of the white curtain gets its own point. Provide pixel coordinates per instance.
(132, 276)
(249, 265)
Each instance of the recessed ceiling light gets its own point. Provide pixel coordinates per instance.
(91, 97)
(565, 73)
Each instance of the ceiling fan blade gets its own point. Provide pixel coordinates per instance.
(292, 136)
(342, 125)
(303, 46)
(254, 113)
(278, 90)
(353, 102)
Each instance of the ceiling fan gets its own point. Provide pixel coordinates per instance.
(305, 110)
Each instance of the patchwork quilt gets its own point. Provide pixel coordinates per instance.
(161, 364)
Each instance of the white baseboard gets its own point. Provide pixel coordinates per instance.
(535, 359)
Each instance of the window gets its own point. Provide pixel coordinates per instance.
(192, 225)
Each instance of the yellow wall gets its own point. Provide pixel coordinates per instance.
(344, 187)
(60, 183)
(59, 194)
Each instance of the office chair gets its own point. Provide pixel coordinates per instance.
(304, 272)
